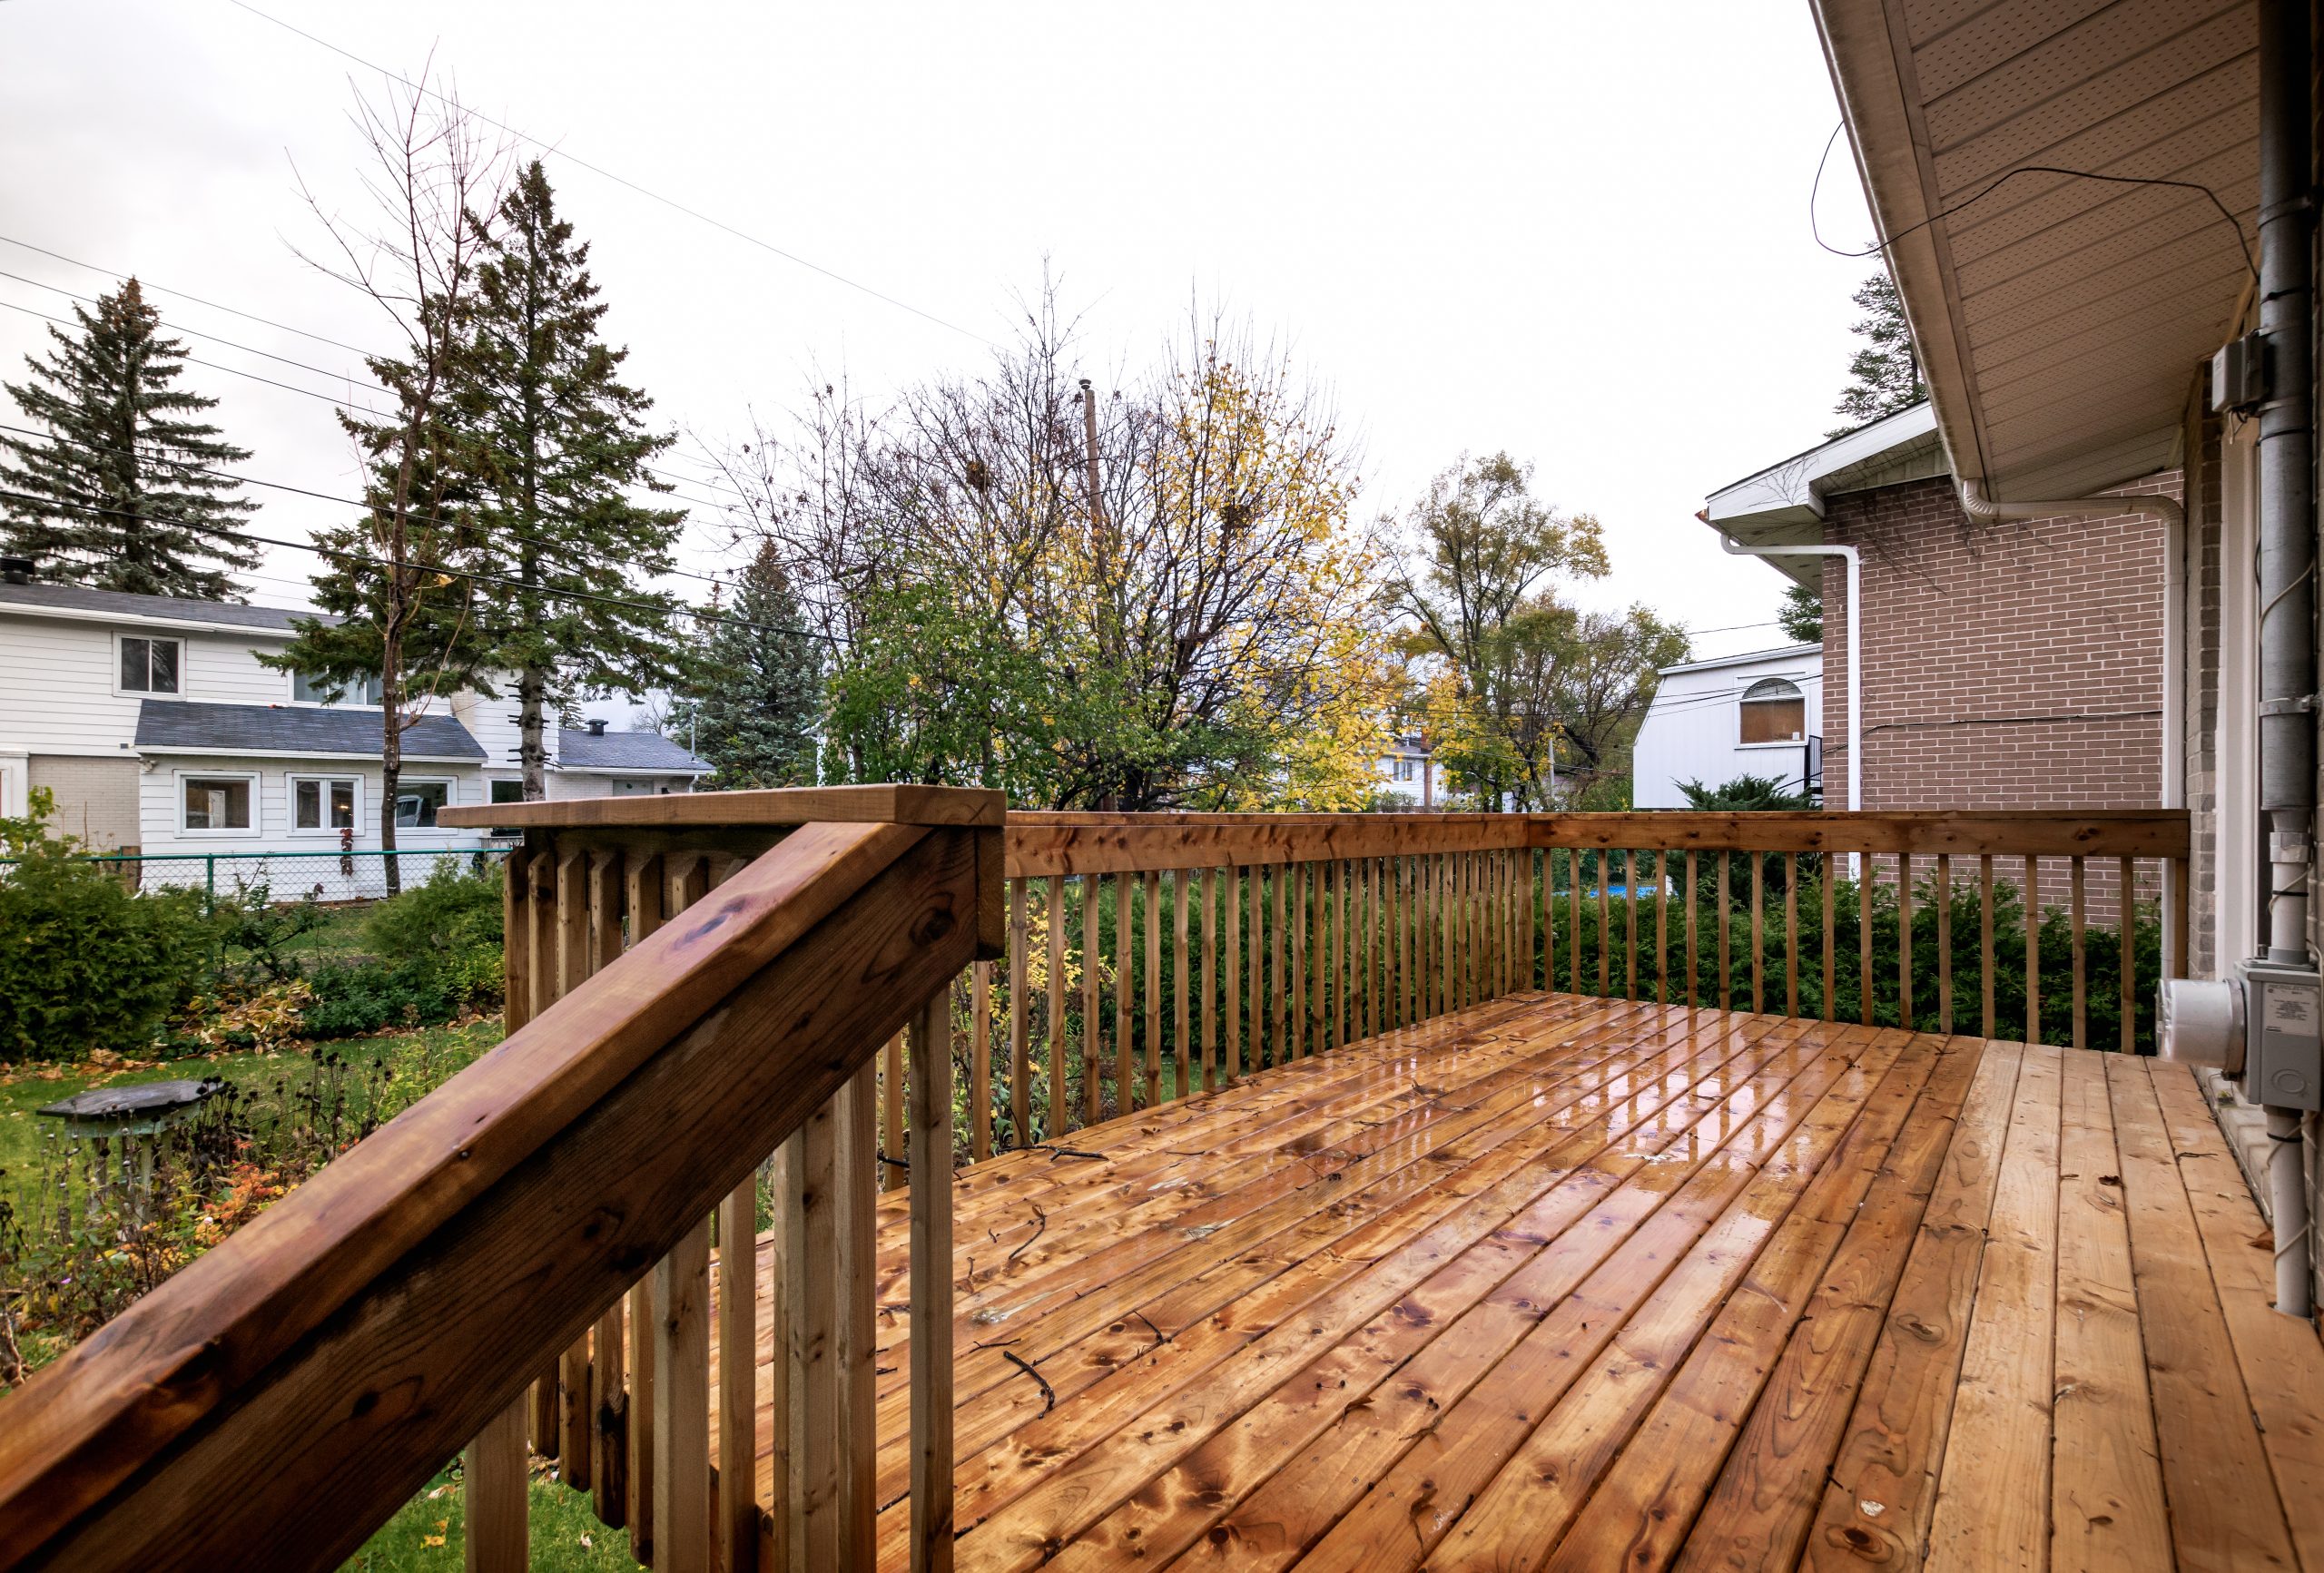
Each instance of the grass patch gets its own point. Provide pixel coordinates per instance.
(429, 1533)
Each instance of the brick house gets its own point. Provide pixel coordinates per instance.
(2012, 664)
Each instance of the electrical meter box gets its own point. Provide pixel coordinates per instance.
(2283, 1064)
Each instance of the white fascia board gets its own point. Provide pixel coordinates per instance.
(1792, 493)
(144, 620)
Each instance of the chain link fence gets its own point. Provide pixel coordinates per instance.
(333, 878)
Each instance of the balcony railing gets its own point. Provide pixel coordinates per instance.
(733, 1017)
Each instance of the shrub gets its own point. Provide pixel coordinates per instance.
(448, 929)
(88, 964)
(364, 994)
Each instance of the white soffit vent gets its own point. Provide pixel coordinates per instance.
(2061, 320)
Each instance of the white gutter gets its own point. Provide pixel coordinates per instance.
(1856, 644)
(1978, 506)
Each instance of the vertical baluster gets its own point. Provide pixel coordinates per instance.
(980, 1060)
(1791, 934)
(2126, 926)
(1905, 941)
(1209, 1074)
(1257, 886)
(817, 1405)
(1182, 1041)
(681, 1539)
(1661, 926)
(888, 1174)
(1153, 988)
(1867, 879)
(1605, 933)
(1726, 916)
(1985, 939)
(541, 942)
(576, 1409)
(1020, 1069)
(1054, 910)
(738, 1400)
(1759, 935)
(931, 1269)
(2175, 898)
(2076, 917)
(856, 1276)
(1236, 885)
(494, 1466)
(1573, 914)
(1341, 971)
(1694, 919)
(1092, 994)
(1320, 941)
(1125, 993)
(1629, 923)
(1945, 943)
(1368, 952)
(1279, 995)
(1828, 871)
(609, 1426)
(2033, 950)
(1297, 1043)
(785, 1356)
(647, 892)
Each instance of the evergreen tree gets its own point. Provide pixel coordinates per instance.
(1885, 376)
(762, 694)
(121, 494)
(1801, 616)
(561, 441)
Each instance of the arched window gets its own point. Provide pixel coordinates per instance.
(1774, 711)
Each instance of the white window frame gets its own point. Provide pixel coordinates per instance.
(258, 805)
(290, 803)
(114, 677)
(1798, 691)
(351, 700)
(451, 786)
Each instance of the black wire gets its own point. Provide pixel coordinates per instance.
(214, 306)
(2232, 222)
(172, 326)
(605, 173)
(411, 565)
(305, 492)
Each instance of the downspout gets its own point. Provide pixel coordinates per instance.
(2286, 571)
(1856, 643)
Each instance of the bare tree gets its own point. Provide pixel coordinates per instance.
(431, 179)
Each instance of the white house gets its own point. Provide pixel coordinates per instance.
(1759, 713)
(153, 723)
(1407, 768)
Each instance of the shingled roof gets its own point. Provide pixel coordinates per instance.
(175, 726)
(642, 752)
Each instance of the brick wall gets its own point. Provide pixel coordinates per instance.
(2013, 665)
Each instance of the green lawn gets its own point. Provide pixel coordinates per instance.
(427, 1533)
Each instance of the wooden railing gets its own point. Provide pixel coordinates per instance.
(728, 1012)
(697, 987)
(1150, 956)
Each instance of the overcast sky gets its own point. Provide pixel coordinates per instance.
(1576, 231)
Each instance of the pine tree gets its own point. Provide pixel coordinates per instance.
(562, 442)
(761, 696)
(121, 495)
(1885, 373)
(1801, 616)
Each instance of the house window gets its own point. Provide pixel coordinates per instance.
(148, 666)
(217, 802)
(417, 800)
(323, 804)
(307, 689)
(1774, 711)
(507, 791)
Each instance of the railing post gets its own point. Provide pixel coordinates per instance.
(931, 1289)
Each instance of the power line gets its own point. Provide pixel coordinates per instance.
(715, 482)
(412, 566)
(301, 491)
(603, 173)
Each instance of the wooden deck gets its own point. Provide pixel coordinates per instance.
(1575, 1284)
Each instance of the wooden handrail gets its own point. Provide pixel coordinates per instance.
(281, 1397)
(2034, 832)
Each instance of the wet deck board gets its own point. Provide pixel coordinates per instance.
(1578, 1284)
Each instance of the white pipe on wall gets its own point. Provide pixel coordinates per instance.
(1856, 643)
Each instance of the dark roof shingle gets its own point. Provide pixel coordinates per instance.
(580, 749)
(177, 608)
(176, 726)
